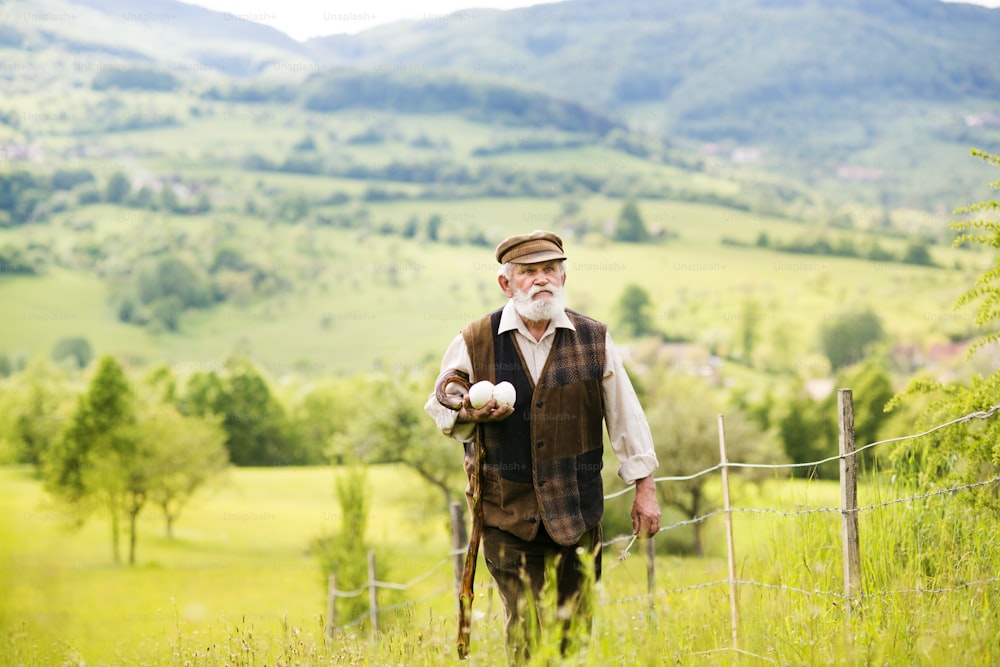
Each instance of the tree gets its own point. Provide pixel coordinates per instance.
(75, 347)
(389, 425)
(88, 464)
(345, 551)
(968, 452)
(871, 390)
(808, 431)
(321, 418)
(183, 452)
(630, 227)
(846, 338)
(178, 456)
(750, 316)
(685, 432)
(633, 311)
(257, 430)
(434, 227)
(118, 189)
(38, 405)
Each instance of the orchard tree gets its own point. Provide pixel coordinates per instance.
(178, 456)
(848, 337)
(630, 228)
(76, 348)
(258, 432)
(634, 307)
(184, 452)
(389, 425)
(321, 418)
(35, 410)
(807, 428)
(88, 465)
(118, 189)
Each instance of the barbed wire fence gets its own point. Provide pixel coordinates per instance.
(849, 510)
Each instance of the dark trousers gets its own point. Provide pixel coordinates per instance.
(525, 573)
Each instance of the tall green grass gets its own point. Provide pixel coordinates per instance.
(238, 588)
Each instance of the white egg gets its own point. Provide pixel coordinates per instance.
(504, 393)
(481, 393)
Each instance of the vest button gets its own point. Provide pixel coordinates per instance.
(539, 443)
(538, 404)
(532, 519)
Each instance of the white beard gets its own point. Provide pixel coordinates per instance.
(543, 309)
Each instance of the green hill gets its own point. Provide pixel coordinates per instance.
(863, 99)
(307, 218)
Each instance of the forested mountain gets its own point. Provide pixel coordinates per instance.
(865, 100)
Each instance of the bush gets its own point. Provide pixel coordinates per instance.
(76, 348)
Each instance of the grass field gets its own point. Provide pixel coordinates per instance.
(236, 586)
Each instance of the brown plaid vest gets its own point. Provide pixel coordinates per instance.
(543, 463)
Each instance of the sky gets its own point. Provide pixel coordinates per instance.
(302, 19)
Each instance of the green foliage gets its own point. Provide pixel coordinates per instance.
(75, 348)
(135, 78)
(163, 288)
(871, 390)
(848, 336)
(808, 432)
(968, 452)
(258, 432)
(21, 196)
(34, 410)
(345, 552)
(89, 465)
(634, 311)
(987, 290)
(17, 261)
(118, 188)
(685, 428)
(630, 227)
(177, 455)
(387, 424)
(964, 453)
(425, 92)
(67, 179)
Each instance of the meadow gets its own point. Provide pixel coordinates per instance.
(237, 586)
(352, 291)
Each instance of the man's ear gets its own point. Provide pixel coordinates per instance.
(505, 285)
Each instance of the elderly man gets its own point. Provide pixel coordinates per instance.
(541, 489)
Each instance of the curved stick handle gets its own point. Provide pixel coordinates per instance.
(441, 385)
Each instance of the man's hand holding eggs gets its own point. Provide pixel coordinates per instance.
(484, 390)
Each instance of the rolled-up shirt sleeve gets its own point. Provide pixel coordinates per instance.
(625, 420)
(456, 357)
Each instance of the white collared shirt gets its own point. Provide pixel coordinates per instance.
(624, 418)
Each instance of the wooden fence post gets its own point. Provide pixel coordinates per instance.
(331, 605)
(730, 549)
(372, 594)
(459, 541)
(849, 497)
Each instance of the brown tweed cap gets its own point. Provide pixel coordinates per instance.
(538, 246)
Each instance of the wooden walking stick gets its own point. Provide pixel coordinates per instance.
(466, 593)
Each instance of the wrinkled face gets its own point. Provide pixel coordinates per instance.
(536, 289)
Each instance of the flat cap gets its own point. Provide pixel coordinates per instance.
(538, 246)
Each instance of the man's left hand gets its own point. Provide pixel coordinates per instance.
(645, 508)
